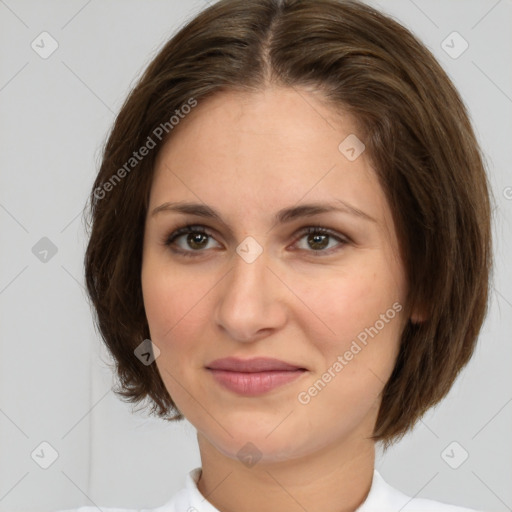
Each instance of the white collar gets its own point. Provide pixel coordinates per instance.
(381, 498)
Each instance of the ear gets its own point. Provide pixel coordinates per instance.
(419, 315)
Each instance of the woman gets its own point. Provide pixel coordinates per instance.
(290, 247)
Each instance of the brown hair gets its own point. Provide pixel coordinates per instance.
(417, 134)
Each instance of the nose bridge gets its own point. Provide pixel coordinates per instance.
(248, 302)
(248, 276)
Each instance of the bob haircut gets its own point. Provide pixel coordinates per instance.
(418, 137)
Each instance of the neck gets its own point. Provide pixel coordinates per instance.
(334, 479)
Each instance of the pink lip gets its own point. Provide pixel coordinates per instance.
(256, 364)
(255, 376)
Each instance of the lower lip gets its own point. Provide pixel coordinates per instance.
(252, 384)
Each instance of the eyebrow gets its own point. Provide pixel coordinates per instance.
(282, 216)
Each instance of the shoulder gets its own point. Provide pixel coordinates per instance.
(187, 499)
(423, 505)
(95, 509)
(385, 497)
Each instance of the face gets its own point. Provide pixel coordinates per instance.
(250, 283)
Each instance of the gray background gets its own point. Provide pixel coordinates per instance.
(54, 377)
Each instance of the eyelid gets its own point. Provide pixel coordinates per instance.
(342, 240)
(186, 229)
(313, 228)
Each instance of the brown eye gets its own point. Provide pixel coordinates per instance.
(197, 240)
(318, 242)
(321, 241)
(189, 240)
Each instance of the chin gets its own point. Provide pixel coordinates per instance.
(255, 442)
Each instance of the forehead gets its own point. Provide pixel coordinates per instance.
(289, 123)
(275, 146)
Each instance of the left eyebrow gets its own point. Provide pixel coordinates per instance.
(281, 217)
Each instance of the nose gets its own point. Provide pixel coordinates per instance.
(251, 302)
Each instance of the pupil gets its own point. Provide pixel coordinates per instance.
(195, 239)
(319, 240)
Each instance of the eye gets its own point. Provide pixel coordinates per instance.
(318, 239)
(189, 240)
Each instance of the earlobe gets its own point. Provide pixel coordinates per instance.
(418, 315)
(415, 319)
(418, 312)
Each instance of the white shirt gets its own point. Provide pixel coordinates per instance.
(381, 498)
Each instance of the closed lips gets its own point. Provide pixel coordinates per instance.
(254, 365)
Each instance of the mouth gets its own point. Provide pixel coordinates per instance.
(254, 365)
(252, 377)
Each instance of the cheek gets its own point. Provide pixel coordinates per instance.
(355, 361)
(174, 304)
(171, 300)
(344, 304)
(358, 317)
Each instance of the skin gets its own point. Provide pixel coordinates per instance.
(247, 155)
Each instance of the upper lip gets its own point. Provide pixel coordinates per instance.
(257, 364)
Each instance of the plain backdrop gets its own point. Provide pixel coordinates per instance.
(55, 113)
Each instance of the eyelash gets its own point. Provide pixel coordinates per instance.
(198, 229)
